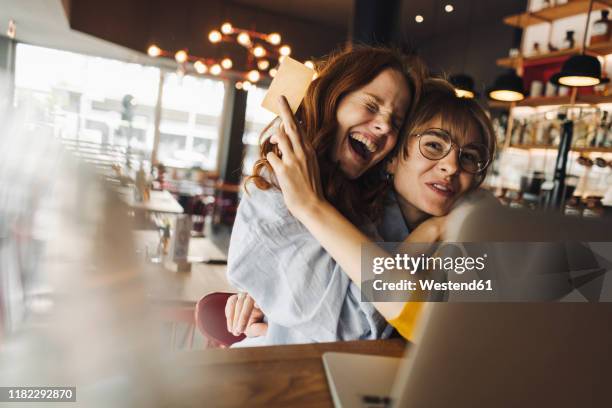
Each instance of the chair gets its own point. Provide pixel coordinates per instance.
(210, 320)
(177, 313)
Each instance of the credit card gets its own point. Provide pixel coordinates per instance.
(291, 80)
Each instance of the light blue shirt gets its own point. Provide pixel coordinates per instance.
(304, 294)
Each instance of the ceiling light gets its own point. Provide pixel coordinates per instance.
(253, 75)
(274, 38)
(462, 93)
(200, 67)
(180, 56)
(244, 39)
(464, 85)
(227, 63)
(272, 72)
(238, 85)
(11, 30)
(579, 70)
(216, 69)
(259, 51)
(214, 36)
(246, 85)
(226, 28)
(285, 50)
(263, 64)
(508, 88)
(154, 51)
(419, 18)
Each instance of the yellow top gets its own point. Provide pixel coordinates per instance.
(407, 319)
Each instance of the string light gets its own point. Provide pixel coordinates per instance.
(226, 28)
(285, 50)
(214, 36)
(244, 39)
(227, 63)
(180, 56)
(216, 69)
(253, 75)
(258, 44)
(200, 67)
(419, 18)
(449, 8)
(11, 30)
(274, 38)
(309, 64)
(259, 51)
(154, 51)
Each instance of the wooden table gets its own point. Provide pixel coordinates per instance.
(278, 376)
(185, 287)
(159, 201)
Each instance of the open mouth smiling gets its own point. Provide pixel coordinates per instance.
(362, 145)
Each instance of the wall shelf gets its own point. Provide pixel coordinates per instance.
(550, 14)
(574, 149)
(564, 100)
(531, 60)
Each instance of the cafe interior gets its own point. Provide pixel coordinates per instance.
(129, 127)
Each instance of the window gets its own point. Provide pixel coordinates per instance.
(257, 118)
(80, 97)
(74, 96)
(190, 122)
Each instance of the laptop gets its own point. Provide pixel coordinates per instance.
(495, 354)
(488, 355)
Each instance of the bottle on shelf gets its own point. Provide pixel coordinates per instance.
(600, 33)
(601, 133)
(568, 41)
(583, 130)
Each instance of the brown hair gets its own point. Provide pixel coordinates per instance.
(341, 73)
(458, 116)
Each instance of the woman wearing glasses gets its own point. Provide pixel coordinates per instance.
(443, 155)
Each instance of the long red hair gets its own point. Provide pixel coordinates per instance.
(339, 74)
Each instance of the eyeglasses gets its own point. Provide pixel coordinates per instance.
(436, 144)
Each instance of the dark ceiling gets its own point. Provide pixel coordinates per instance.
(337, 13)
(448, 41)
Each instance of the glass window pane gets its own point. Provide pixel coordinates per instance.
(257, 118)
(191, 117)
(76, 96)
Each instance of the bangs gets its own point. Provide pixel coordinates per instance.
(462, 118)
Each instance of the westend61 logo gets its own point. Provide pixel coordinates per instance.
(413, 264)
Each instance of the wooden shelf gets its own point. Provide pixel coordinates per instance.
(564, 100)
(575, 149)
(545, 100)
(595, 49)
(600, 49)
(550, 14)
(552, 100)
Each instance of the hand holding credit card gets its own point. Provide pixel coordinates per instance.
(291, 80)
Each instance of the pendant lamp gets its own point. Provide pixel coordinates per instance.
(507, 88)
(580, 70)
(464, 85)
